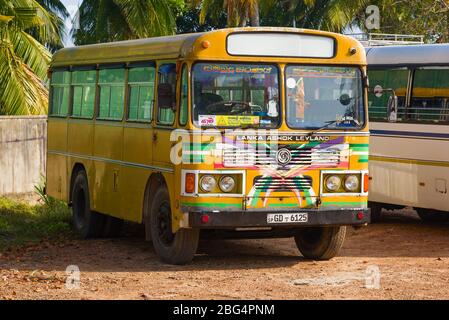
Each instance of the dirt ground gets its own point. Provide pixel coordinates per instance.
(412, 259)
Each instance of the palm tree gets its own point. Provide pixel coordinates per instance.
(113, 20)
(329, 15)
(238, 11)
(23, 59)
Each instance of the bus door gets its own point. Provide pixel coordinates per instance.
(165, 115)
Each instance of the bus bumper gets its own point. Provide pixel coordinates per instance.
(242, 219)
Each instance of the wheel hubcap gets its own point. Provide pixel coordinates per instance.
(164, 224)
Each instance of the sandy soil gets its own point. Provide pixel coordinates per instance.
(412, 258)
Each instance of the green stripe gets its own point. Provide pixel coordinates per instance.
(198, 146)
(357, 145)
(361, 204)
(208, 204)
(363, 159)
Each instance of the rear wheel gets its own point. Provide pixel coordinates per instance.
(429, 215)
(172, 248)
(87, 223)
(320, 243)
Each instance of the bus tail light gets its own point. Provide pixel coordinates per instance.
(190, 183)
(365, 182)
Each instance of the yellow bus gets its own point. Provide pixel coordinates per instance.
(259, 132)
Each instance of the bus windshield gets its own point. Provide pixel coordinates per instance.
(324, 97)
(235, 95)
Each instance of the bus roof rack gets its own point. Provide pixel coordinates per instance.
(385, 39)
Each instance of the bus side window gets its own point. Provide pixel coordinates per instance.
(60, 91)
(167, 78)
(83, 83)
(141, 93)
(112, 93)
(387, 79)
(183, 105)
(430, 95)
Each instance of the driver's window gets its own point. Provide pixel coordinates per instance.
(167, 78)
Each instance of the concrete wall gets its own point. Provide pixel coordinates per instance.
(23, 142)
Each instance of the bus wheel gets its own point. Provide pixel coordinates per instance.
(88, 224)
(320, 243)
(429, 215)
(112, 227)
(173, 248)
(376, 211)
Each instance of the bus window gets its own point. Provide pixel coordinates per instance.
(112, 93)
(395, 79)
(83, 83)
(233, 95)
(60, 91)
(141, 93)
(167, 77)
(324, 96)
(430, 95)
(184, 96)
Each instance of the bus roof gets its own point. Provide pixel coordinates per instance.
(426, 54)
(188, 46)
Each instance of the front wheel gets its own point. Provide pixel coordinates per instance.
(320, 243)
(173, 248)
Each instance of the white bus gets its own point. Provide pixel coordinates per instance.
(409, 115)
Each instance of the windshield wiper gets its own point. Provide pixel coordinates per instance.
(328, 123)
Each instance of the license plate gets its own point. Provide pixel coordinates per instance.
(287, 217)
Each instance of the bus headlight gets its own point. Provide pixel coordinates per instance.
(333, 183)
(351, 183)
(227, 184)
(208, 183)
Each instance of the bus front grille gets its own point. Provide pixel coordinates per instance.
(282, 184)
(299, 157)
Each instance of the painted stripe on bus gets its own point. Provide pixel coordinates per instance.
(410, 161)
(407, 134)
(108, 160)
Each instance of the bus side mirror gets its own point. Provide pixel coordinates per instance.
(165, 96)
(392, 108)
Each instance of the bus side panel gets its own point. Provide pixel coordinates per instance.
(108, 147)
(136, 169)
(57, 180)
(79, 149)
(409, 170)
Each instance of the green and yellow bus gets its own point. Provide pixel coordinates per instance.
(257, 131)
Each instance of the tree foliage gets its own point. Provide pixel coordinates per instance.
(422, 17)
(114, 20)
(23, 59)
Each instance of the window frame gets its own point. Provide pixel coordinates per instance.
(143, 64)
(72, 91)
(280, 70)
(410, 73)
(410, 92)
(185, 67)
(119, 66)
(50, 94)
(156, 110)
(364, 96)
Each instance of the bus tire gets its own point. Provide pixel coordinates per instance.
(429, 215)
(112, 227)
(172, 248)
(376, 211)
(87, 223)
(320, 243)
